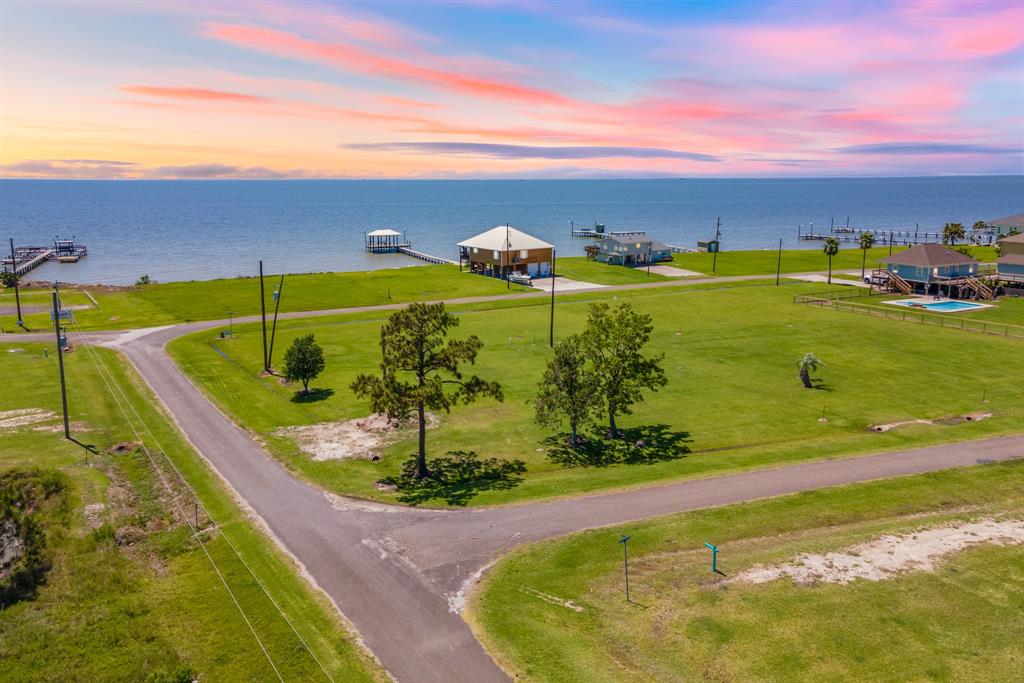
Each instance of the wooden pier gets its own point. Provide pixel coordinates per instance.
(26, 259)
(387, 241)
(424, 257)
(897, 237)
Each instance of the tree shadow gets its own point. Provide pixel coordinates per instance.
(456, 477)
(646, 444)
(312, 396)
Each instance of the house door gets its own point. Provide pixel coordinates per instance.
(533, 269)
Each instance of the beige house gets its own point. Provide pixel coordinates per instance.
(504, 251)
(1011, 259)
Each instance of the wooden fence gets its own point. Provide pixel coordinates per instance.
(957, 322)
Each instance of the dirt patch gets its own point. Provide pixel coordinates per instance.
(94, 515)
(12, 419)
(59, 427)
(956, 419)
(361, 438)
(123, 447)
(887, 556)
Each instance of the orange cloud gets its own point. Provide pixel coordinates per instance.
(192, 94)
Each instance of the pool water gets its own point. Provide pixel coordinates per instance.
(946, 306)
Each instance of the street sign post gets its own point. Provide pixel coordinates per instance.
(714, 557)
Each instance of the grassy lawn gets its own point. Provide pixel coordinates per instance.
(175, 302)
(765, 261)
(130, 593)
(733, 396)
(962, 621)
(584, 270)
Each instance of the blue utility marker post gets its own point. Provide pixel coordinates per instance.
(625, 561)
(714, 557)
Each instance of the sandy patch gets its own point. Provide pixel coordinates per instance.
(554, 600)
(563, 284)
(12, 419)
(361, 438)
(971, 417)
(886, 556)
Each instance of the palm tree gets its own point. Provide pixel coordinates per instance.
(867, 240)
(807, 364)
(831, 248)
(953, 232)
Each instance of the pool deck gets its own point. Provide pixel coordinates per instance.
(922, 303)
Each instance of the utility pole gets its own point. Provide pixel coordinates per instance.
(508, 254)
(14, 272)
(718, 245)
(778, 268)
(273, 329)
(263, 317)
(60, 364)
(551, 330)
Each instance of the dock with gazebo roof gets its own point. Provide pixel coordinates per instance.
(385, 241)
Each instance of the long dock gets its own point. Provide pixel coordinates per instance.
(587, 232)
(422, 256)
(26, 259)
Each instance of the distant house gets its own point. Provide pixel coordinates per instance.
(929, 268)
(1011, 259)
(631, 250)
(504, 251)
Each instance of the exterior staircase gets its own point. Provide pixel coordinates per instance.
(981, 290)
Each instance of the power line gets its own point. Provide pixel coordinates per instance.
(107, 376)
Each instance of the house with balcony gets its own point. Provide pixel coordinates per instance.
(505, 251)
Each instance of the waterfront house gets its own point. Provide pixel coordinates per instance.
(933, 269)
(504, 251)
(1011, 259)
(632, 250)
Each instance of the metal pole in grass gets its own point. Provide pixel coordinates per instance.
(60, 364)
(714, 557)
(778, 268)
(718, 232)
(551, 330)
(231, 323)
(273, 329)
(625, 561)
(263, 317)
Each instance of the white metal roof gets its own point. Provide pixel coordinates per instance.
(495, 240)
(383, 233)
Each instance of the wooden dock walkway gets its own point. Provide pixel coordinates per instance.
(424, 257)
(25, 259)
(594, 234)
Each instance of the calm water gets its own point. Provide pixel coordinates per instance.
(185, 230)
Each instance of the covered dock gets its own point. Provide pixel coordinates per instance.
(385, 241)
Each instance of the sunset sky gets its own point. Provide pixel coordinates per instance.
(516, 88)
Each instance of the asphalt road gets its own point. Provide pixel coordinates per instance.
(398, 574)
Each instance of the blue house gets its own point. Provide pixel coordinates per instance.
(929, 268)
(632, 250)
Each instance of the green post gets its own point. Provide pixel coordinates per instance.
(714, 557)
(625, 561)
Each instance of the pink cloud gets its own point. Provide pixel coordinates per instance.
(201, 94)
(356, 59)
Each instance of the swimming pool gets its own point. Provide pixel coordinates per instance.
(943, 306)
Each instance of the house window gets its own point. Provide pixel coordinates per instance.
(919, 272)
(523, 253)
(475, 250)
(497, 255)
(935, 272)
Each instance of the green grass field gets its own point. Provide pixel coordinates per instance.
(154, 606)
(584, 270)
(962, 621)
(733, 396)
(765, 261)
(176, 302)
